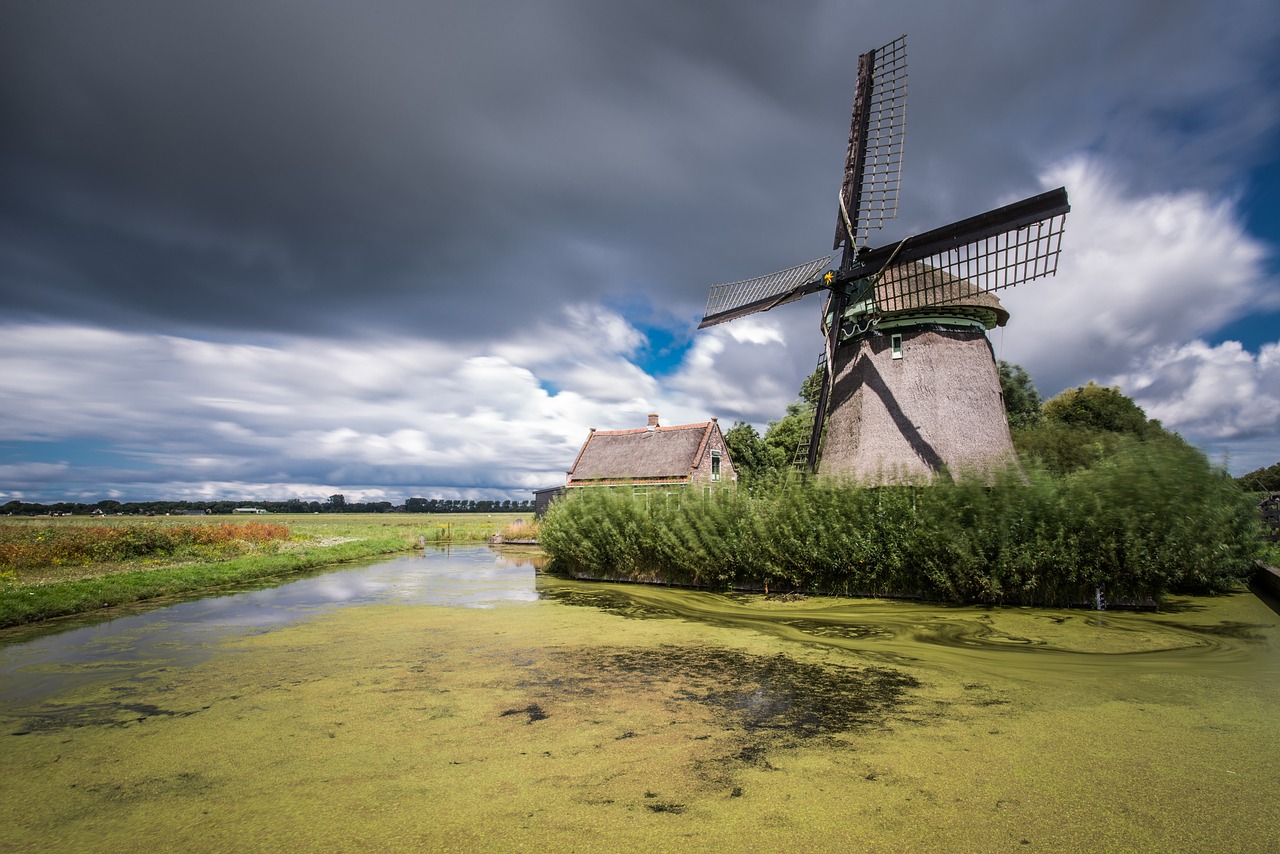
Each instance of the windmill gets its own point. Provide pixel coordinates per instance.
(910, 384)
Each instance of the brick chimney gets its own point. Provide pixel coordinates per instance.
(653, 420)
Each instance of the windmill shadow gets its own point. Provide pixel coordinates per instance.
(863, 373)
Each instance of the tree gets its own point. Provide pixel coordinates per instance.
(1261, 480)
(763, 462)
(785, 436)
(811, 388)
(1021, 400)
(337, 503)
(1097, 407)
(751, 458)
(1084, 425)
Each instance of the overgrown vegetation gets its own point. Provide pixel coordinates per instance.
(520, 531)
(1081, 427)
(51, 545)
(1104, 498)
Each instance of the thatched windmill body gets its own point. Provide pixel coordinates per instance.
(910, 386)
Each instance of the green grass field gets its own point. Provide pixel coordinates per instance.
(56, 566)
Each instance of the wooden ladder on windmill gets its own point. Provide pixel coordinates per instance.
(800, 461)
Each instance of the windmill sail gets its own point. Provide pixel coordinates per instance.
(873, 160)
(868, 195)
(998, 249)
(738, 299)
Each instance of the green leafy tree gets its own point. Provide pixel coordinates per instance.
(751, 458)
(1085, 425)
(811, 388)
(1096, 407)
(785, 435)
(1021, 400)
(762, 463)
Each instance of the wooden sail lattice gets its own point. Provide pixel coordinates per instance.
(769, 291)
(873, 160)
(989, 252)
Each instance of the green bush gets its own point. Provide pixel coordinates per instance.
(1148, 518)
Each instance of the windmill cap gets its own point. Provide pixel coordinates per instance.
(919, 287)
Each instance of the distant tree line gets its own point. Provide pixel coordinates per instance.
(336, 503)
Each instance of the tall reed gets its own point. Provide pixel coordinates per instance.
(1147, 520)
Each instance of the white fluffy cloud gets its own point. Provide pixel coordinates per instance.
(376, 418)
(1143, 281)
(1212, 393)
(306, 417)
(1137, 273)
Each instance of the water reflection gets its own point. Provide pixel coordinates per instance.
(131, 646)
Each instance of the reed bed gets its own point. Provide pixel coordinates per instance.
(24, 546)
(1146, 521)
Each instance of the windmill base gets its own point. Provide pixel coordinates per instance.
(907, 414)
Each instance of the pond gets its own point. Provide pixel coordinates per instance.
(464, 700)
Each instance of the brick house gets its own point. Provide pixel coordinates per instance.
(654, 460)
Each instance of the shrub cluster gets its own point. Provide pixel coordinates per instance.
(1149, 519)
(67, 545)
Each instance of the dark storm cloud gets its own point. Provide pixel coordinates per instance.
(456, 168)
(310, 165)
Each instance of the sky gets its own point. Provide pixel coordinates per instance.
(267, 250)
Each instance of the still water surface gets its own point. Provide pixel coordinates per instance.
(462, 700)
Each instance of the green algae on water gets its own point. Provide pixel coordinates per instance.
(674, 719)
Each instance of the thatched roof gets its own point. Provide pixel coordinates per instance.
(917, 286)
(652, 454)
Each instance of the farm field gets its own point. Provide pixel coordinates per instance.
(57, 566)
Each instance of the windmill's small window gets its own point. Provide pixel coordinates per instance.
(895, 344)
(715, 466)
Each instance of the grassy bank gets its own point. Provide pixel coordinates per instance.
(52, 567)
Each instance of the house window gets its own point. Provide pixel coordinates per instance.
(895, 344)
(715, 466)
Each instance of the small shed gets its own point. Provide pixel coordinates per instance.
(543, 499)
(654, 460)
